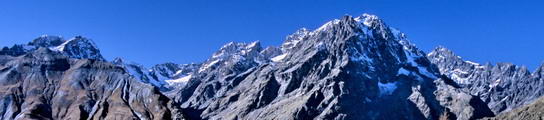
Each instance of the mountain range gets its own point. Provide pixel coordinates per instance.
(349, 68)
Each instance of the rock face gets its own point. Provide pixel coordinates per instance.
(44, 84)
(168, 77)
(351, 68)
(503, 86)
(533, 111)
(78, 47)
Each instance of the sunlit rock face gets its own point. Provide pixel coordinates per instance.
(350, 68)
(44, 84)
(502, 87)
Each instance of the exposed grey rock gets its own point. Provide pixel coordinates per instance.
(459, 102)
(533, 111)
(44, 84)
(170, 70)
(15, 50)
(175, 75)
(292, 40)
(270, 52)
(47, 41)
(163, 76)
(78, 47)
(352, 68)
(503, 86)
(349, 68)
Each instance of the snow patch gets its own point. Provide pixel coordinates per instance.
(495, 83)
(459, 79)
(178, 72)
(179, 80)
(460, 71)
(403, 71)
(367, 100)
(326, 25)
(208, 65)
(425, 72)
(410, 58)
(476, 65)
(366, 19)
(279, 57)
(387, 88)
(473, 63)
(251, 45)
(61, 46)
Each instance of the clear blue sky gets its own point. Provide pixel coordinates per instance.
(184, 31)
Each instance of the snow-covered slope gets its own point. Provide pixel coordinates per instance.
(80, 48)
(166, 77)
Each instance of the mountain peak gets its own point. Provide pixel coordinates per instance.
(80, 48)
(441, 52)
(47, 41)
(368, 19)
(118, 61)
(233, 48)
(442, 48)
(539, 72)
(293, 39)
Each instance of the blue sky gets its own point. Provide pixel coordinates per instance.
(185, 31)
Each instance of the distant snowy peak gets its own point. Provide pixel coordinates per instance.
(452, 65)
(80, 48)
(165, 69)
(373, 62)
(369, 20)
(539, 72)
(503, 86)
(118, 61)
(293, 39)
(369, 36)
(242, 49)
(140, 73)
(16, 50)
(166, 76)
(172, 70)
(179, 82)
(42, 41)
(47, 41)
(441, 55)
(246, 54)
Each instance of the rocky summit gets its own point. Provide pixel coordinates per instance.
(503, 86)
(353, 68)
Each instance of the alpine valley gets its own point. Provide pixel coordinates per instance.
(353, 68)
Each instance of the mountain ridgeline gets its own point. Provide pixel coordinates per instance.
(350, 68)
